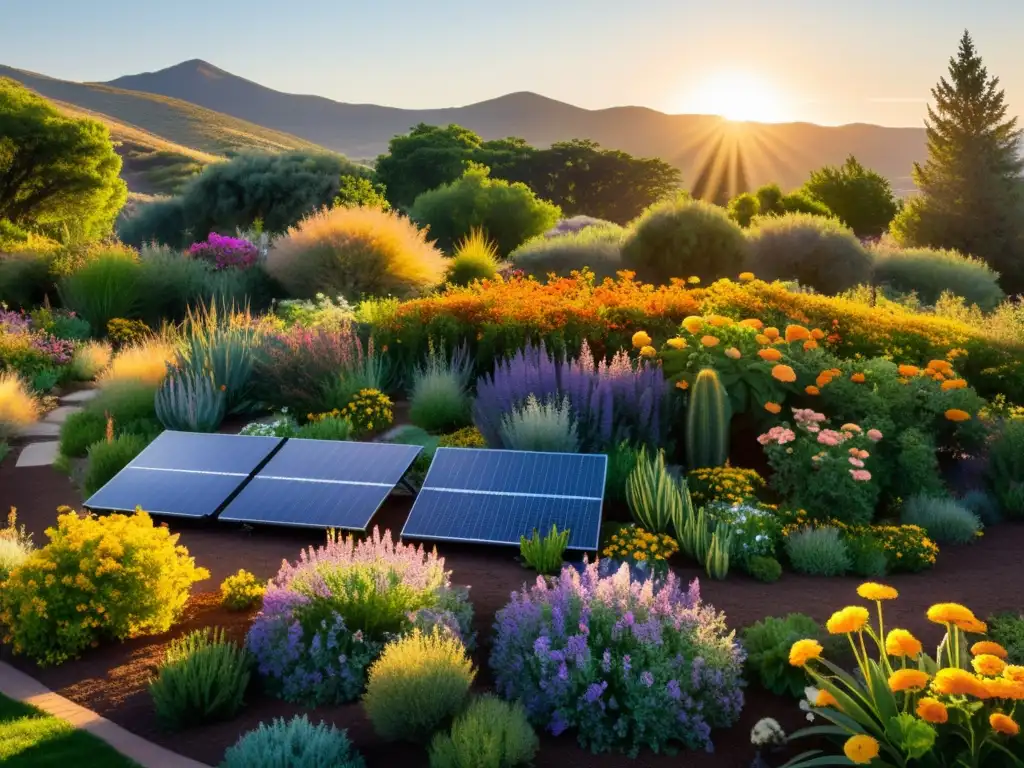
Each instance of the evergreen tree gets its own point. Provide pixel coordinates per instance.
(970, 185)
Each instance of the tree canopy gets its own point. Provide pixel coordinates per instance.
(56, 172)
(861, 198)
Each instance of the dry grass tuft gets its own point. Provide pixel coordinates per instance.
(145, 362)
(18, 407)
(90, 359)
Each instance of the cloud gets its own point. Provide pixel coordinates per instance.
(897, 100)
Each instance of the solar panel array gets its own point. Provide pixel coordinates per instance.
(495, 496)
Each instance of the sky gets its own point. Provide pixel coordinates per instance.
(823, 61)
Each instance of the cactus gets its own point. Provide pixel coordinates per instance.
(190, 402)
(653, 495)
(717, 564)
(707, 422)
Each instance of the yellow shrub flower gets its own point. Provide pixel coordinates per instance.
(752, 322)
(932, 710)
(955, 414)
(746, 277)
(693, 324)
(853, 618)
(803, 651)
(989, 647)
(861, 749)
(773, 408)
(1003, 724)
(872, 591)
(648, 352)
(693, 280)
(784, 374)
(641, 339)
(719, 321)
(1014, 672)
(988, 665)
(677, 343)
(908, 680)
(733, 354)
(762, 339)
(770, 355)
(899, 642)
(709, 341)
(950, 613)
(959, 682)
(797, 333)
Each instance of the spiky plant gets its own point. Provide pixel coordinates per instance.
(190, 401)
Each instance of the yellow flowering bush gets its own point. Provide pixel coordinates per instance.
(240, 591)
(636, 546)
(98, 578)
(906, 708)
(732, 485)
(369, 411)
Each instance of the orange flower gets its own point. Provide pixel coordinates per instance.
(853, 618)
(682, 384)
(835, 372)
(677, 343)
(810, 344)
(770, 354)
(803, 651)
(950, 613)
(989, 647)
(955, 414)
(784, 373)
(958, 682)
(718, 321)
(988, 665)
(746, 277)
(771, 332)
(861, 749)
(810, 389)
(762, 339)
(953, 384)
(773, 408)
(709, 341)
(826, 699)
(752, 322)
(909, 370)
(1014, 672)
(908, 680)
(858, 378)
(817, 334)
(825, 377)
(899, 642)
(693, 324)
(942, 366)
(1003, 724)
(732, 353)
(648, 352)
(1001, 688)
(796, 333)
(932, 711)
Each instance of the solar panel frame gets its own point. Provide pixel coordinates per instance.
(427, 493)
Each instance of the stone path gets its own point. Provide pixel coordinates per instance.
(41, 448)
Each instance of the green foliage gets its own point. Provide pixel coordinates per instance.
(56, 173)
(545, 427)
(597, 248)
(426, 158)
(818, 552)
(80, 430)
(983, 506)
(917, 466)
(945, 520)
(24, 279)
(683, 238)
(337, 428)
(656, 499)
(509, 214)
(439, 401)
(861, 198)
(817, 252)
(867, 558)
(190, 401)
(743, 208)
(203, 679)
(125, 401)
(544, 553)
(123, 332)
(717, 562)
(622, 460)
(359, 190)
(707, 422)
(930, 272)
(107, 287)
(1006, 468)
(767, 644)
(293, 744)
(1007, 629)
(475, 258)
(491, 733)
(107, 458)
(766, 569)
(240, 591)
(769, 200)
(798, 202)
(418, 683)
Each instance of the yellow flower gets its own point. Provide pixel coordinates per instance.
(718, 320)
(733, 353)
(770, 355)
(989, 647)
(709, 341)
(797, 333)
(771, 332)
(693, 280)
(988, 665)
(803, 651)
(861, 749)
(899, 642)
(746, 277)
(677, 343)
(1003, 724)
(955, 414)
(773, 407)
(752, 322)
(641, 339)
(857, 378)
(872, 591)
(932, 711)
(784, 373)
(853, 618)
(810, 389)
(908, 680)
(826, 699)
(1014, 672)
(958, 682)
(1001, 688)
(682, 384)
(648, 352)
(950, 613)
(693, 324)
(762, 339)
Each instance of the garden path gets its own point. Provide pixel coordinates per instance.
(43, 452)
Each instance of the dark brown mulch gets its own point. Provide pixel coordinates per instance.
(112, 679)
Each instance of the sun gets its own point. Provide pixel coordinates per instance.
(737, 96)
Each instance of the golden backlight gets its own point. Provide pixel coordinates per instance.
(737, 96)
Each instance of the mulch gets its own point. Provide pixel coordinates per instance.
(112, 679)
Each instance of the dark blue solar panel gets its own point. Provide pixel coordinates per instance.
(492, 496)
(322, 484)
(185, 474)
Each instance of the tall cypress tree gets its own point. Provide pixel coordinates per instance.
(970, 186)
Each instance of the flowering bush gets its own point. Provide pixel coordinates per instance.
(240, 591)
(956, 709)
(115, 576)
(629, 664)
(756, 529)
(124, 332)
(731, 485)
(225, 252)
(369, 410)
(28, 350)
(327, 617)
(824, 471)
(467, 437)
(642, 549)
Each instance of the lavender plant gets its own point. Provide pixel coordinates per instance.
(629, 663)
(327, 617)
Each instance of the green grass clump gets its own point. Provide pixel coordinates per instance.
(818, 552)
(491, 733)
(944, 520)
(929, 272)
(293, 744)
(543, 553)
(597, 248)
(80, 430)
(1007, 629)
(124, 401)
(622, 459)
(475, 258)
(1006, 468)
(439, 401)
(332, 428)
(90, 359)
(767, 644)
(106, 459)
(535, 427)
(105, 287)
(766, 569)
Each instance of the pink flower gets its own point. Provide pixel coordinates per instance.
(831, 437)
(874, 435)
(812, 428)
(860, 475)
(863, 454)
(779, 435)
(856, 462)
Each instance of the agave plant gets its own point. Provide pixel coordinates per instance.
(191, 401)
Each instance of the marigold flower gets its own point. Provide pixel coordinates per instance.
(942, 366)
(955, 414)
(853, 618)
(770, 355)
(988, 665)
(959, 682)
(773, 407)
(810, 344)
(974, 626)
(908, 370)
(746, 277)
(718, 320)
(803, 651)
(850, 427)
(953, 384)
(932, 711)
(693, 324)
(693, 280)
(810, 389)
(762, 339)
(752, 322)
(826, 699)
(677, 342)
(648, 352)
(908, 680)
(1014, 672)
(682, 384)
(784, 373)
(771, 332)
(899, 642)
(861, 749)
(797, 333)
(823, 378)
(988, 647)
(858, 378)
(872, 591)
(709, 341)
(1003, 724)
(950, 613)
(1001, 688)
(733, 353)
(641, 339)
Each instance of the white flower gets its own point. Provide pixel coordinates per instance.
(767, 731)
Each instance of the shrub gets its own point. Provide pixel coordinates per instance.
(295, 744)
(203, 679)
(90, 359)
(80, 430)
(983, 506)
(475, 258)
(945, 520)
(15, 545)
(556, 651)
(642, 551)
(467, 437)
(114, 576)
(818, 552)
(355, 251)
(125, 401)
(622, 459)
(438, 401)
(240, 591)
(24, 279)
(597, 248)
(145, 363)
(491, 733)
(418, 683)
(732, 485)
(543, 553)
(917, 466)
(190, 401)
(108, 457)
(535, 427)
(767, 643)
(1006, 468)
(743, 208)
(326, 618)
(930, 272)
(225, 252)
(684, 238)
(766, 569)
(867, 558)
(107, 286)
(368, 411)
(656, 498)
(124, 332)
(508, 213)
(1007, 629)
(817, 252)
(331, 428)
(18, 407)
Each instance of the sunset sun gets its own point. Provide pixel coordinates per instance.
(737, 96)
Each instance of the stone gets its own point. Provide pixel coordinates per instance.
(38, 454)
(60, 414)
(40, 429)
(81, 396)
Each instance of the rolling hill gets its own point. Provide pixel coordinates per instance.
(770, 152)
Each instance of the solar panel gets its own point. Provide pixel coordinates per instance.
(184, 474)
(322, 484)
(496, 496)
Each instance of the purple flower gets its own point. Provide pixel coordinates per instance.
(647, 678)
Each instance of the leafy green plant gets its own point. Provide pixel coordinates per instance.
(439, 401)
(707, 422)
(108, 457)
(766, 569)
(867, 558)
(417, 683)
(1007, 629)
(944, 519)
(125, 401)
(190, 401)
(622, 460)
(80, 430)
(656, 498)
(241, 591)
(983, 506)
(818, 552)
(717, 563)
(544, 553)
(334, 428)
(45, 379)
(203, 679)
(1006, 468)
(597, 248)
(293, 744)
(475, 258)
(917, 466)
(124, 332)
(491, 733)
(767, 644)
(536, 427)
(107, 286)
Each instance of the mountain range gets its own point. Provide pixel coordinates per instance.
(196, 107)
